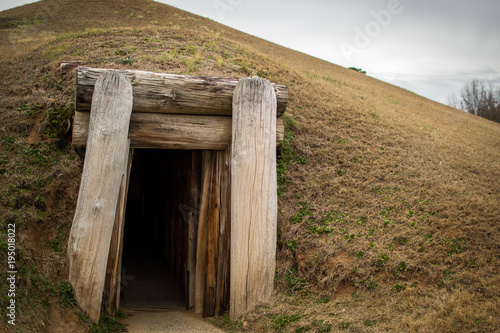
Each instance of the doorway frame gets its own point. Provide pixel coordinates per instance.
(250, 155)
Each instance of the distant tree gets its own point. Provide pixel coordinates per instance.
(479, 98)
(453, 101)
(358, 70)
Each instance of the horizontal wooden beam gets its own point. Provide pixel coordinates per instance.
(171, 93)
(168, 131)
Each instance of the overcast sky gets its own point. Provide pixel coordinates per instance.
(430, 47)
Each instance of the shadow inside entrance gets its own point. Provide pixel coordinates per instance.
(147, 284)
(152, 237)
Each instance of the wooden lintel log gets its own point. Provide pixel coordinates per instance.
(171, 93)
(253, 195)
(167, 131)
(105, 167)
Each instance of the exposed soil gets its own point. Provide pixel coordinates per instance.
(63, 320)
(167, 321)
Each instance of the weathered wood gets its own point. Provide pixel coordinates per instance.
(111, 299)
(66, 67)
(122, 218)
(103, 171)
(192, 212)
(212, 237)
(280, 132)
(201, 250)
(171, 93)
(150, 130)
(253, 195)
(223, 256)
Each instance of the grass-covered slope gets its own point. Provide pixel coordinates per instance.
(389, 202)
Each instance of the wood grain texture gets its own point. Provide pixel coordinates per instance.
(171, 93)
(207, 170)
(166, 131)
(253, 195)
(223, 257)
(103, 172)
(213, 219)
(192, 213)
(111, 301)
(118, 267)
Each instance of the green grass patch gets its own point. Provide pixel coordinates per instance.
(281, 321)
(65, 292)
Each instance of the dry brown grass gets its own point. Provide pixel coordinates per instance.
(388, 219)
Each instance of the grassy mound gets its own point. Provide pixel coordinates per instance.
(389, 202)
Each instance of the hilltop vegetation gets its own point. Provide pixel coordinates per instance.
(389, 202)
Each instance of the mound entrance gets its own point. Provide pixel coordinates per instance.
(178, 200)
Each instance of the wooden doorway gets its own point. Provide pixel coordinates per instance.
(176, 239)
(150, 279)
(216, 197)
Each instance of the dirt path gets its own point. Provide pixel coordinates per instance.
(176, 321)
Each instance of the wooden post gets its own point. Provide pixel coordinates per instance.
(214, 205)
(103, 172)
(207, 168)
(253, 195)
(223, 257)
(192, 215)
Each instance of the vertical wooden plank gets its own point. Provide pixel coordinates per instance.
(192, 211)
(120, 253)
(253, 194)
(111, 299)
(212, 237)
(223, 258)
(201, 250)
(92, 227)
